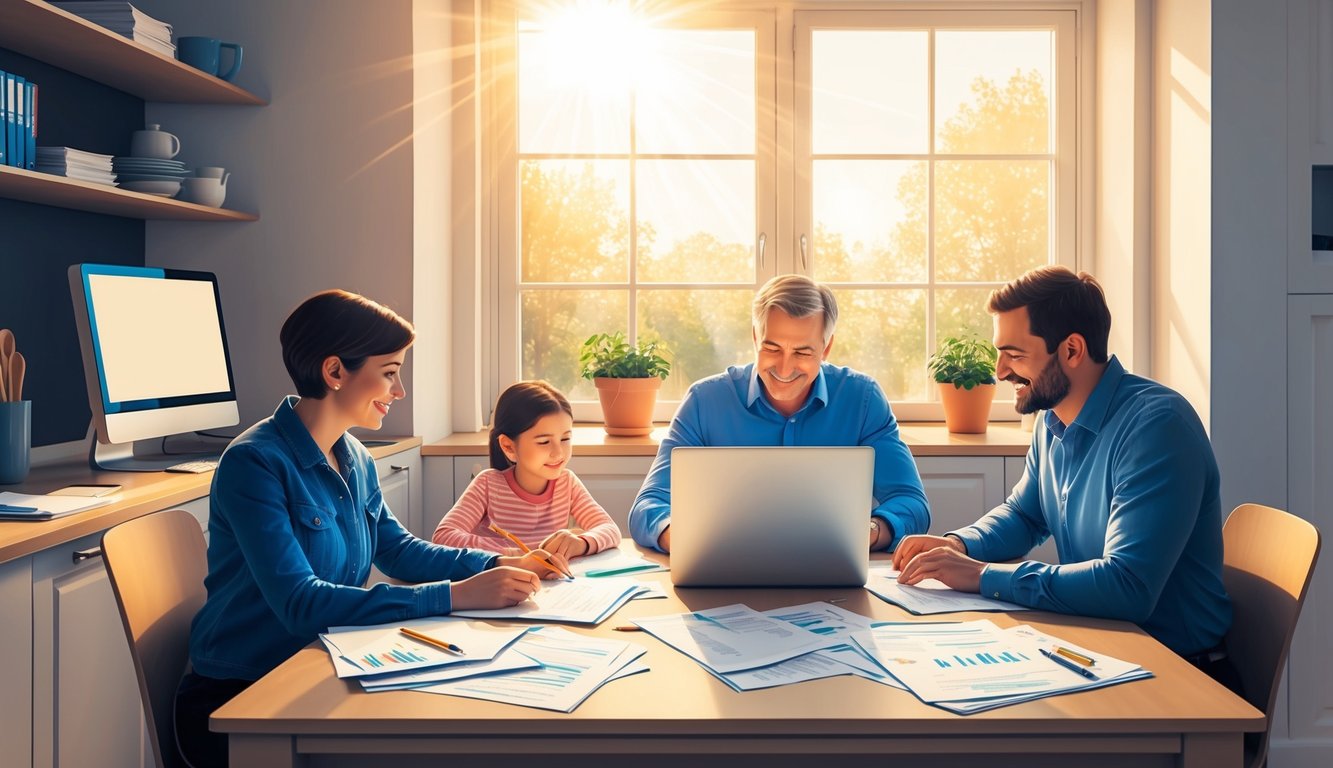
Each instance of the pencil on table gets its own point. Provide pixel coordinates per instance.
(443, 645)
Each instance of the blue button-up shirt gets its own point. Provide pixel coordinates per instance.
(291, 542)
(1129, 490)
(844, 407)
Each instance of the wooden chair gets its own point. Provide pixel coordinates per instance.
(157, 565)
(1267, 563)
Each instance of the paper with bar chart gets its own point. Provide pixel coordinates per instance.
(974, 665)
(382, 649)
(572, 667)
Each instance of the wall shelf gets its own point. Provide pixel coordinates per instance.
(45, 189)
(42, 31)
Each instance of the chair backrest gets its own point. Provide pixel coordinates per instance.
(1268, 559)
(157, 565)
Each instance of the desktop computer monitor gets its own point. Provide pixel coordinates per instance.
(154, 357)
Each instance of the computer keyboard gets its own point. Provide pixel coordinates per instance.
(194, 467)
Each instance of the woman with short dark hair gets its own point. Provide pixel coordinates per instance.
(297, 518)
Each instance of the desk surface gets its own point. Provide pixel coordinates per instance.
(141, 494)
(301, 710)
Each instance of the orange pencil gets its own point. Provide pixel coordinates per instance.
(443, 645)
(526, 549)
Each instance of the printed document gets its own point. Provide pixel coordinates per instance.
(576, 601)
(734, 637)
(572, 667)
(381, 649)
(930, 596)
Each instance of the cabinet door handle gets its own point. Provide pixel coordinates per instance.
(86, 554)
(398, 467)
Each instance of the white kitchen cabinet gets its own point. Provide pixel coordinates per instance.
(1310, 489)
(613, 481)
(16, 639)
(400, 481)
(85, 698)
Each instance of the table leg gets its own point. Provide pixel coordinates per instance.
(263, 751)
(1212, 750)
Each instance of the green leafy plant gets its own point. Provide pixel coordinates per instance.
(609, 355)
(964, 362)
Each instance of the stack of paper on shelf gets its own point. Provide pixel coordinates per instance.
(124, 19)
(75, 164)
(571, 667)
(930, 596)
(974, 666)
(735, 639)
(575, 601)
(27, 506)
(385, 653)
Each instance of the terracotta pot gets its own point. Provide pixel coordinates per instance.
(627, 404)
(967, 411)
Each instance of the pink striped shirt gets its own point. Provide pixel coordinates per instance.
(495, 497)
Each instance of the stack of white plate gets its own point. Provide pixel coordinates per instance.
(149, 175)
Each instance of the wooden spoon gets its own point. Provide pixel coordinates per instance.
(6, 351)
(17, 367)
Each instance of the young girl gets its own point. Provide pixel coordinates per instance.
(528, 491)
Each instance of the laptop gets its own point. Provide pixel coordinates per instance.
(771, 516)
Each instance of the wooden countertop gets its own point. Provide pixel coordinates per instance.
(922, 438)
(143, 492)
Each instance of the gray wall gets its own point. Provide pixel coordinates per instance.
(1249, 245)
(327, 165)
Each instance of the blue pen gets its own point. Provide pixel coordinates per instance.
(1067, 664)
(11, 508)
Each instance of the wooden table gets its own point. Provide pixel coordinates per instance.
(679, 715)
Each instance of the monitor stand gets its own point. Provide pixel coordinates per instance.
(119, 457)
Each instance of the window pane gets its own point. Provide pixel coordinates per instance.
(870, 220)
(993, 91)
(570, 98)
(870, 91)
(962, 312)
(554, 325)
(696, 92)
(696, 220)
(992, 218)
(705, 330)
(574, 223)
(883, 333)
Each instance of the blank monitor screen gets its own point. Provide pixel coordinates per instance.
(155, 351)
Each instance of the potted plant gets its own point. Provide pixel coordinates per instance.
(627, 377)
(965, 370)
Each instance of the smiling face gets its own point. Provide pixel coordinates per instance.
(1039, 381)
(366, 394)
(540, 452)
(788, 357)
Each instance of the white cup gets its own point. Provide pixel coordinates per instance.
(210, 172)
(155, 143)
(209, 192)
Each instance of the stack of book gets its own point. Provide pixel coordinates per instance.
(125, 19)
(18, 121)
(75, 164)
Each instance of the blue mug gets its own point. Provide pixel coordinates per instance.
(15, 441)
(205, 53)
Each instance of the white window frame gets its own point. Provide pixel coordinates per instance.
(487, 250)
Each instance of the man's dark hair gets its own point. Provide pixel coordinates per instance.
(1059, 303)
(338, 323)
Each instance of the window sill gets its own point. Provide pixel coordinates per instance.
(922, 438)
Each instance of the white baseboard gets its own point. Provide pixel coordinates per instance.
(1300, 754)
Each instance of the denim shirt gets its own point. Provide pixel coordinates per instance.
(844, 407)
(291, 542)
(1129, 491)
